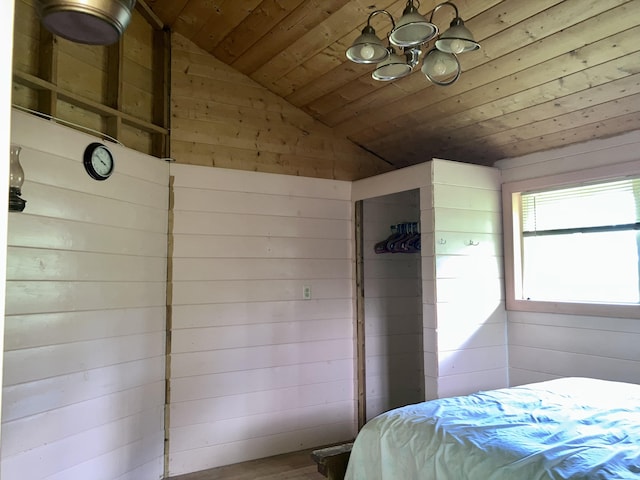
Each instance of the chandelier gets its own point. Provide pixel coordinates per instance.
(411, 33)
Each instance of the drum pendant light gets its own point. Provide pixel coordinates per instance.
(94, 22)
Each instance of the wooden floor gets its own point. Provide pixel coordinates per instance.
(290, 466)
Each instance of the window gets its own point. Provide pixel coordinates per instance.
(573, 246)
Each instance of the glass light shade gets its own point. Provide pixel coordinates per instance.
(412, 29)
(16, 179)
(441, 68)
(457, 39)
(367, 48)
(394, 67)
(94, 22)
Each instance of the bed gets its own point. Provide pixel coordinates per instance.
(570, 428)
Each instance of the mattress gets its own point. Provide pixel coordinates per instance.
(571, 428)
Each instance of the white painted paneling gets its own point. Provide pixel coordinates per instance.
(65, 327)
(256, 370)
(260, 446)
(571, 364)
(187, 388)
(104, 466)
(543, 346)
(245, 203)
(410, 178)
(69, 452)
(463, 328)
(220, 291)
(263, 246)
(41, 396)
(462, 384)
(470, 360)
(200, 435)
(195, 269)
(37, 264)
(45, 297)
(468, 243)
(256, 225)
(47, 427)
(470, 337)
(461, 335)
(467, 197)
(572, 158)
(220, 179)
(228, 360)
(60, 234)
(468, 221)
(85, 304)
(246, 405)
(243, 336)
(474, 177)
(193, 316)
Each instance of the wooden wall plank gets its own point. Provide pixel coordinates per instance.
(254, 128)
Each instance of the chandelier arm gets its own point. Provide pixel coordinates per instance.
(376, 12)
(439, 6)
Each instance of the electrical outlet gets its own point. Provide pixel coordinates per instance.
(306, 292)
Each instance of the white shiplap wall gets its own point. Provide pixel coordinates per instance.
(463, 316)
(393, 307)
(470, 332)
(83, 392)
(544, 346)
(256, 370)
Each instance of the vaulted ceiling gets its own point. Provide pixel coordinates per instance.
(548, 73)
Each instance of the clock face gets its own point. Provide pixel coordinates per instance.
(98, 161)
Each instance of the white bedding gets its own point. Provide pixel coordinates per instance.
(572, 428)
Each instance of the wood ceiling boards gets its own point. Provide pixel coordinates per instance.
(548, 73)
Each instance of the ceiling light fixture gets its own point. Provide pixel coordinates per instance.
(94, 22)
(440, 65)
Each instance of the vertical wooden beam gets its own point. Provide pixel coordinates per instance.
(48, 70)
(161, 90)
(360, 313)
(149, 15)
(168, 328)
(115, 60)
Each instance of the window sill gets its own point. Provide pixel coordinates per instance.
(585, 309)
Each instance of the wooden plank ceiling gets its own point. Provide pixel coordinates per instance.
(549, 72)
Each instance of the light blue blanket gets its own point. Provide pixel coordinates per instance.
(573, 428)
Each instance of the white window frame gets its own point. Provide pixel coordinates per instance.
(513, 247)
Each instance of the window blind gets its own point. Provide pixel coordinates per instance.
(613, 205)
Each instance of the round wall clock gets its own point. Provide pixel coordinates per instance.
(98, 161)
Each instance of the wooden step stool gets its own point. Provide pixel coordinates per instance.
(332, 461)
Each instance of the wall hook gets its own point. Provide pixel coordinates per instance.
(471, 243)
